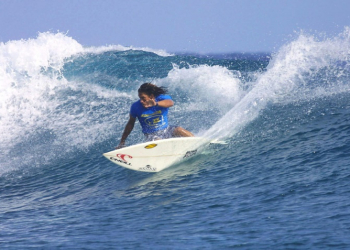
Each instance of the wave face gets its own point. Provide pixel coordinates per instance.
(280, 182)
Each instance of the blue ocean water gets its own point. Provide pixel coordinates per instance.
(281, 182)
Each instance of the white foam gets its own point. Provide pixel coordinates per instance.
(205, 86)
(23, 86)
(42, 115)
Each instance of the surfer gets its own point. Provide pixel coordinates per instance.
(152, 112)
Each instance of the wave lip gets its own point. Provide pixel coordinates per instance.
(102, 49)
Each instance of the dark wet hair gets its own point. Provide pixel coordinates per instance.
(151, 89)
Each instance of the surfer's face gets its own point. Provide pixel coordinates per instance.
(145, 99)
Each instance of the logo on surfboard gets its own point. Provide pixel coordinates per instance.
(148, 168)
(149, 146)
(121, 158)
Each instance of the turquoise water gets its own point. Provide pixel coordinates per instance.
(281, 182)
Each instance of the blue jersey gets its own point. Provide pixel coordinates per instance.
(151, 119)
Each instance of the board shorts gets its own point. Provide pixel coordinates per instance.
(161, 134)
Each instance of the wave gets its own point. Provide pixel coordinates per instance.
(58, 98)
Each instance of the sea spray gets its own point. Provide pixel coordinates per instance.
(207, 86)
(289, 77)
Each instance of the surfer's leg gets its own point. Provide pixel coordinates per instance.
(181, 132)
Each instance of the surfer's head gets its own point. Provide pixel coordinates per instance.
(148, 92)
(151, 90)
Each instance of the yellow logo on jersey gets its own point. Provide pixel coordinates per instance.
(155, 113)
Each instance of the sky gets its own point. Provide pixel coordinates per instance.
(200, 26)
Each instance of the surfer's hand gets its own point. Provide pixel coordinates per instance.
(150, 103)
(121, 145)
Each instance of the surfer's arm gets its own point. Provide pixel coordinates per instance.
(167, 103)
(127, 130)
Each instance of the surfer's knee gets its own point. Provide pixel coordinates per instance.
(181, 132)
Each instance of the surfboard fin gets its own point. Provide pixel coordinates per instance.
(216, 141)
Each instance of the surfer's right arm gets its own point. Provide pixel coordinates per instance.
(127, 130)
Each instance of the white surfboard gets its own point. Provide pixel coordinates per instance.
(157, 155)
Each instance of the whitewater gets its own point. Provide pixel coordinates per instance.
(281, 182)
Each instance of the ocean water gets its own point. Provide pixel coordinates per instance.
(281, 182)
